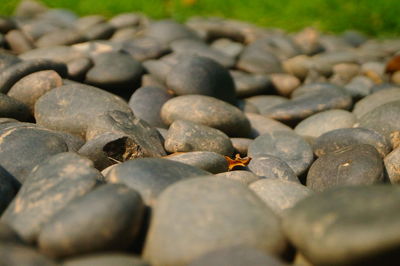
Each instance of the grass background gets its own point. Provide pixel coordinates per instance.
(372, 17)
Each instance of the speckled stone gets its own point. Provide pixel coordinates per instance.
(209, 161)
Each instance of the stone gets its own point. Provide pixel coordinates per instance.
(243, 214)
(279, 194)
(375, 100)
(186, 136)
(261, 125)
(201, 75)
(241, 145)
(247, 107)
(359, 87)
(7, 60)
(66, 108)
(63, 54)
(9, 187)
(31, 87)
(236, 256)
(6, 24)
(392, 162)
(315, 125)
(12, 108)
(18, 41)
(269, 167)
(48, 189)
(14, 73)
(146, 103)
(124, 20)
(287, 146)
(210, 112)
(7, 234)
(325, 226)
(74, 143)
(352, 165)
(340, 138)
(60, 37)
(209, 161)
(308, 40)
(150, 176)
(86, 22)
(100, 31)
(71, 231)
(106, 259)
(17, 254)
(298, 66)
(228, 47)
(266, 102)
(78, 68)
(27, 145)
(284, 84)
(242, 176)
(247, 84)
(166, 31)
(144, 48)
(343, 73)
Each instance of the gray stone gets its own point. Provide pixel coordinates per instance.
(209, 161)
(100, 31)
(106, 259)
(266, 102)
(47, 190)
(13, 108)
(228, 47)
(364, 219)
(241, 145)
(284, 84)
(62, 54)
(261, 125)
(124, 20)
(242, 176)
(187, 203)
(185, 136)
(352, 165)
(60, 37)
(285, 145)
(375, 100)
(269, 166)
(12, 254)
(247, 84)
(209, 111)
(9, 186)
(280, 195)
(78, 68)
(392, 163)
(115, 208)
(150, 176)
(7, 234)
(144, 48)
(167, 31)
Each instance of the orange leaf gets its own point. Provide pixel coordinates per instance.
(393, 65)
(238, 161)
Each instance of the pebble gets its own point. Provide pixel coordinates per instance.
(228, 47)
(284, 84)
(18, 41)
(352, 165)
(7, 234)
(261, 125)
(60, 37)
(12, 108)
(266, 102)
(185, 136)
(106, 259)
(167, 31)
(241, 145)
(9, 187)
(16, 254)
(325, 226)
(206, 229)
(375, 100)
(210, 112)
(287, 146)
(247, 84)
(392, 162)
(242, 176)
(209, 161)
(48, 189)
(150, 176)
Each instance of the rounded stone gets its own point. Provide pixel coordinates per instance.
(314, 126)
(48, 189)
(284, 84)
(261, 125)
(269, 166)
(228, 47)
(18, 254)
(241, 145)
(78, 68)
(209, 111)
(7, 60)
(18, 41)
(100, 31)
(9, 187)
(280, 195)
(287, 146)
(340, 138)
(352, 165)
(124, 20)
(150, 176)
(247, 84)
(375, 100)
(66, 108)
(13, 108)
(7, 234)
(106, 259)
(27, 145)
(242, 176)
(85, 22)
(209, 161)
(167, 31)
(392, 163)
(201, 75)
(254, 59)
(185, 136)
(146, 103)
(61, 53)
(60, 37)
(185, 204)
(144, 48)
(31, 87)
(114, 207)
(325, 226)
(266, 102)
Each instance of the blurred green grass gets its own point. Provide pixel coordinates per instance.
(373, 17)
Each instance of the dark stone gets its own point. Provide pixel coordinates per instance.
(7, 60)
(242, 176)
(31, 87)
(392, 163)
(236, 256)
(340, 138)
(375, 100)
(166, 31)
(106, 259)
(159, 69)
(27, 145)
(7, 234)
(7, 120)
(146, 103)
(314, 126)
(18, 41)
(364, 219)
(287, 146)
(6, 24)
(150, 176)
(209, 161)
(144, 48)
(115, 208)
(247, 84)
(270, 166)
(187, 203)
(241, 145)
(14, 73)
(185, 136)
(266, 102)
(201, 75)
(209, 111)
(12, 254)
(60, 37)
(261, 125)
(66, 108)
(47, 190)
(247, 107)
(74, 143)
(12, 108)
(228, 47)
(142, 140)
(100, 31)
(9, 186)
(359, 87)
(352, 165)
(279, 194)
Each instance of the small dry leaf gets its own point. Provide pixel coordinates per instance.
(393, 65)
(238, 161)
